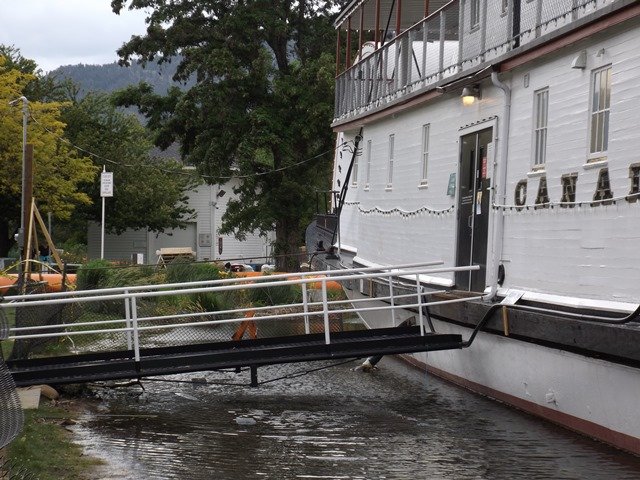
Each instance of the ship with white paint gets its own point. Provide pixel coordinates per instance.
(503, 134)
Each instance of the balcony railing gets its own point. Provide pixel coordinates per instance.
(456, 38)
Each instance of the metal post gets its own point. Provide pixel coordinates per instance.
(134, 320)
(391, 301)
(25, 113)
(460, 35)
(483, 29)
(102, 233)
(23, 205)
(348, 59)
(127, 316)
(104, 169)
(425, 38)
(306, 308)
(325, 308)
(441, 52)
(419, 293)
(538, 18)
(254, 375)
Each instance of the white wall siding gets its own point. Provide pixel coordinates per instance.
(586, 251)
(116, 247)
(582, 252)
(394, 238)
(209, 209)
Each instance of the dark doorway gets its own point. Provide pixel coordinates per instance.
(473, 209)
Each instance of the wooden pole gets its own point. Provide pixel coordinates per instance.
(27, 254)
(398, 16)
(47, 236)
(505, 321)
(426, 8)
(28, 191)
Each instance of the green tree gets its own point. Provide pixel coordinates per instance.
(59, 171)
(40, 87)
(148, 192)
(260, 108)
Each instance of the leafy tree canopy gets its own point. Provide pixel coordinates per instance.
(40, 87)
(148, 192)
(59, 171)
(261, 105)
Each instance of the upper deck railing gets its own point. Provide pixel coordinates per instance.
(454, 39)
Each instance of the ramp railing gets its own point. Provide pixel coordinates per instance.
(136, 318)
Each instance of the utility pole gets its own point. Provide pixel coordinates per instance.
(25, 116)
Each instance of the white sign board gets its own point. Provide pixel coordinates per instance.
(106, 184)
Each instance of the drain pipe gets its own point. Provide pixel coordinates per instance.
(500, 189)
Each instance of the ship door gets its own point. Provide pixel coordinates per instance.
(473, 209)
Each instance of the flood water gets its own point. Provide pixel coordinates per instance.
(396, 423)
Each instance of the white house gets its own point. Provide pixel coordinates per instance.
(201, 235)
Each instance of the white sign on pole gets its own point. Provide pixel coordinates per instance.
(106, 184)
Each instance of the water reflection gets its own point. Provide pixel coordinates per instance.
(337, 424)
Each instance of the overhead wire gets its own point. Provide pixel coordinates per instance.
(105, 160)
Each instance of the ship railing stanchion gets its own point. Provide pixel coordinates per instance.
(419, 294)
(306, 308)
(325, 308)
(134, 321)
(127, 316)
(393, 310)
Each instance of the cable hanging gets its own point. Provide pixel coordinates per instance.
(180, 172)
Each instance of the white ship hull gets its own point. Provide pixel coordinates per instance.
(537, 183)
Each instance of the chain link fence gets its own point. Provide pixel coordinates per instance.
(11, 416)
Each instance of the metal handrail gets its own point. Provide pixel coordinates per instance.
(220, 281)
(134, 325)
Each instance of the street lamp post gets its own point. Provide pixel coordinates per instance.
(25, 115)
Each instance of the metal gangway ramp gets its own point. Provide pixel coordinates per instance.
(142, 331)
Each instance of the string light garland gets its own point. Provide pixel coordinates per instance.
(401, 212)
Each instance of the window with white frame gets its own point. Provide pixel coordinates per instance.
(354, 171)
(392, 139)
(600, 106)
(368, 168)
(540, 116)
(425, 153)
(475, 13)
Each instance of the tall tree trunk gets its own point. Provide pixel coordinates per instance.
(287, 247)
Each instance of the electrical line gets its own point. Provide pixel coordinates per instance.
(181, 172)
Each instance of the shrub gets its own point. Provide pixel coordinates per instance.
(271, 295)
(93, 275)
(183, 271)
(130, 276)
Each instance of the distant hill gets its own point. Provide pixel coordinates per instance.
(111, 76)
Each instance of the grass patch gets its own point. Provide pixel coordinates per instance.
(45, 448)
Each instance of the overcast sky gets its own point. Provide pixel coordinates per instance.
(66, 32)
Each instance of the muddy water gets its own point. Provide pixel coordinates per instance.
(333, 424)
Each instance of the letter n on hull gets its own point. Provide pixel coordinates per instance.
(473, 209)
